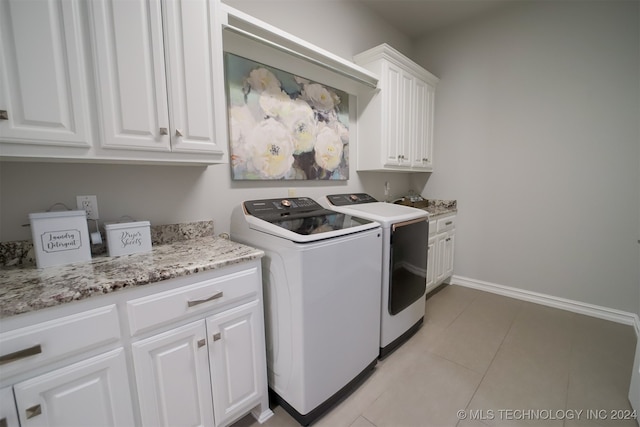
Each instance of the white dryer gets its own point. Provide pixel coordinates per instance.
(321, 279)
(405, 232)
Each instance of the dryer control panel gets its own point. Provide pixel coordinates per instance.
(350, 199)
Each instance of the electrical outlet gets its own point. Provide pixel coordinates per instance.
(88, 204)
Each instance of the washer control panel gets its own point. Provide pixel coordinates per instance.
(267, 208)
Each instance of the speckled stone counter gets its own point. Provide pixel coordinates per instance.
(26, 288)
(441, 207)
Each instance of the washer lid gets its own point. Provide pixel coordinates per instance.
(302, 220)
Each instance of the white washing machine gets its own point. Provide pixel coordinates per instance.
(321, 278)
(405, 232)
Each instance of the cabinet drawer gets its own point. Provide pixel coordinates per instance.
(446, 224)
(165, 307)
(25, 348)
(432, 227)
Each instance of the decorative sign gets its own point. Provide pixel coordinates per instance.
(64, 240)
(128, 237)
(284, 127)
(60, 237)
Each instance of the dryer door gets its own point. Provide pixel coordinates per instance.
(408, 263)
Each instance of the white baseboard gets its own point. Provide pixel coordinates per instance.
(600, 312)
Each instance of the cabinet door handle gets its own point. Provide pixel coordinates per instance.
(164, 131)
(178, 133)
(216, 336)
(202, 301)
(20, 354)
(201, 343)
(448, 223)
(4, 115)
(33, 411)
(446, 240)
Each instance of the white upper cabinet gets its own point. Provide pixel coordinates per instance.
(158, 68)
(43, 86)
(423, 102)
(195, 75)
(138, 81)
(131, 77)
(395, 126)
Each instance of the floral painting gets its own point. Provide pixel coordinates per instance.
(282, 126)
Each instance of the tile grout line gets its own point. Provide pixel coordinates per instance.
(571, 350)
(520, 309)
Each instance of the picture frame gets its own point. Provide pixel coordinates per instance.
(283, 126)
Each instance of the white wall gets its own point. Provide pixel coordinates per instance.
(343, 28)
(537, 138)
(169, 194)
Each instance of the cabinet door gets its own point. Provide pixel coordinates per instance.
(236, 356)
(431, 263)
(94, 392)
(406, 120)
(440, 257)
(8, 413)
(43, 89)
(421, 142)
(449, 243)
(393, 110)
(172, 374)
(129, 56)
(192, 67)
(430, 113)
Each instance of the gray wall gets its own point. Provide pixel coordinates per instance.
(537, 137)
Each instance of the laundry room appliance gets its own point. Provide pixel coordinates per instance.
(405, 232)
(321, 279)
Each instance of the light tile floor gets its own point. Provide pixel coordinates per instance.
(501, 362)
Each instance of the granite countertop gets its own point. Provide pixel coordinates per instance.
(26, 288)
(437, 208)
(434, 207)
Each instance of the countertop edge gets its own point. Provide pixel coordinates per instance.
(24, 290)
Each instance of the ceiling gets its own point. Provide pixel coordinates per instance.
(416, 18)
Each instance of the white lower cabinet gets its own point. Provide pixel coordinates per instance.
(182, 372)
(236, 354)
(441, 251)
(188, 351)
(93, 392)
(431, 256)
(210, 368)
(8, 412)
(172, 375)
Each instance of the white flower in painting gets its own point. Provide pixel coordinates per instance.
(241, 124)
(274, 102)
(302, 126)
(328, 149)
(320, 97)
(262, 79)
(300, 80)
(271, 149)
(340, 129)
